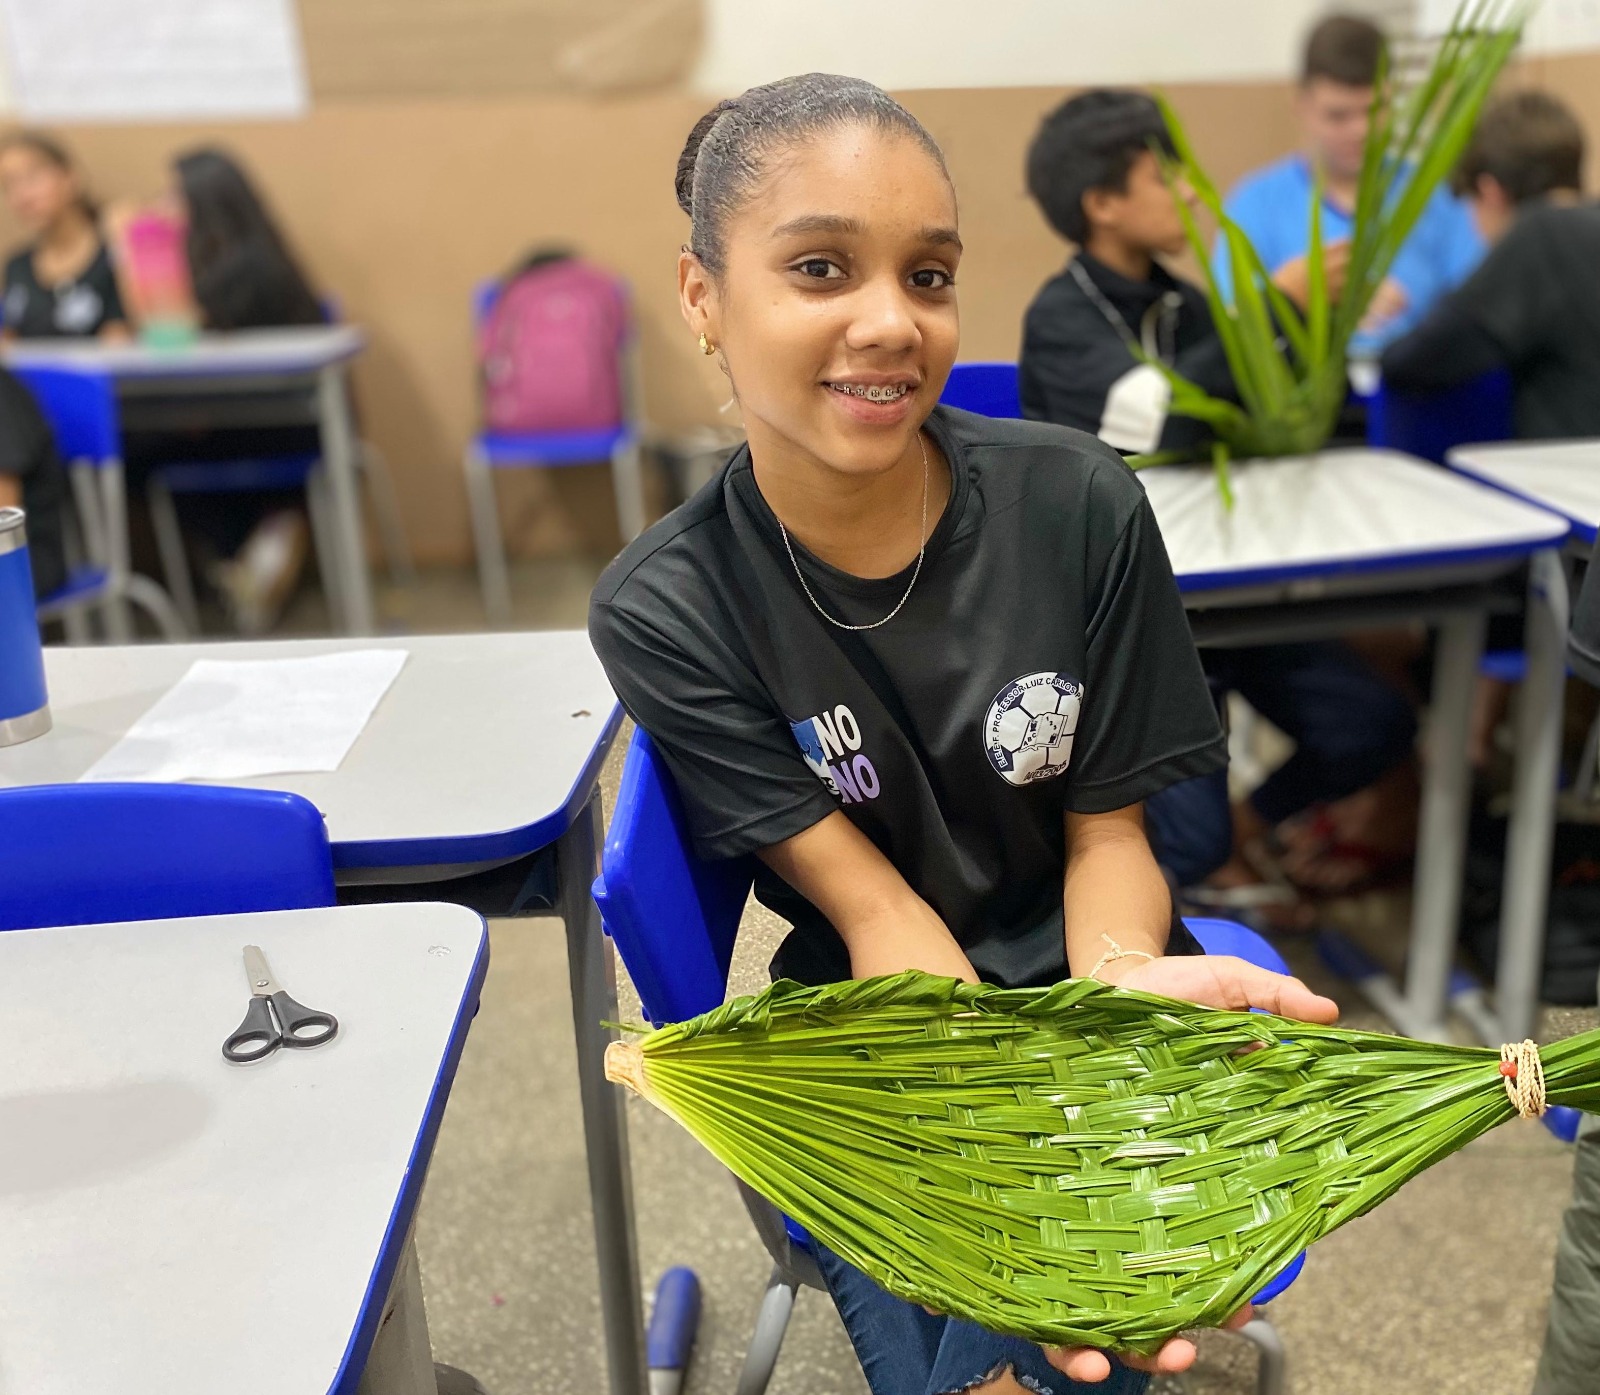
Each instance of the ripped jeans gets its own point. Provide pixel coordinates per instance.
(906, 1351)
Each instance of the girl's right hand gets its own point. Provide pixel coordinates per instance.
(1091, 1365)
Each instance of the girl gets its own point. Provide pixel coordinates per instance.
(924, 665)
(61, 284)
(242, 276)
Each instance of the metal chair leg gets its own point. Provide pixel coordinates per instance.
(1272, 1374)
(325, 543)
(174, 556)
(627, 479)
(374, 469)
(486, 536)
(771, 1323)
(155, 603)
(75, 626)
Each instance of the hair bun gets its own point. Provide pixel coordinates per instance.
(683, 183)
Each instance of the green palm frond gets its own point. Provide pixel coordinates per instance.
(1289, 367)
(1078, 1165)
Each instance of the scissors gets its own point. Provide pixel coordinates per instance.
(284, 1023)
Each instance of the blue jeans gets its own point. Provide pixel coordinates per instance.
(904, 1350)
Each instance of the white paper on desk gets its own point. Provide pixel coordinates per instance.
(231, 719)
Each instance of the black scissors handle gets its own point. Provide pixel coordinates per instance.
(255, 1037)
(296, 1026)
(300, 1026)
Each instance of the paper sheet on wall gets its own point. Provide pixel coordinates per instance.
(230, 720)
(109, 60)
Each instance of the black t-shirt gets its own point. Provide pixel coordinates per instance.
(73, 309)
(28, 453)
(1078, 370)
(1533, 305)
(1042, 663)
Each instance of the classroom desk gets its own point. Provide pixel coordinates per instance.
(481, 765)
(310, 362)
(176, 1225)
(1563, 476)
(1346, 539)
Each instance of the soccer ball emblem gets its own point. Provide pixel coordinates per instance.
(1028, 732)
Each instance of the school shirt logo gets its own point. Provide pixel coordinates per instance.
(78, 308)
(1028, 732)
(830, 742)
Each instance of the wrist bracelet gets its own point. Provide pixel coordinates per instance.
(1115, 953)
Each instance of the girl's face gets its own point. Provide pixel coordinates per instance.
(36, 189)
(836, 305)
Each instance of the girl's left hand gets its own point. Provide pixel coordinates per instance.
(1221, 981)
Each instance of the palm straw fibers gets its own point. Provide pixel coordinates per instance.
(1076, 1165)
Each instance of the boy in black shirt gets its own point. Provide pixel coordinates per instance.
(1087, 340)
(1533, 306)
(31, 478)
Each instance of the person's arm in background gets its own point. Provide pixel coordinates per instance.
(1495, 319)
(10, 492)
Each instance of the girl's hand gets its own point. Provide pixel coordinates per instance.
(1221, 981)
(1090, 1365)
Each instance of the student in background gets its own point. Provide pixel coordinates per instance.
(60, 285)
(1338, 79)
(1533, 307)
(1086, 340)
(242, 276)
(31, 479)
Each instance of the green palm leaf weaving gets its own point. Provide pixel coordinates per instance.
(1075, 1165)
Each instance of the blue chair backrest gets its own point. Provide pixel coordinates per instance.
(672, 915)
(989, 389)
(1428, 424)
(85, 854)
(81, 407)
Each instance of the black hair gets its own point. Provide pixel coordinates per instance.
(52, 152)
(1090, 141)
(243, 272)
(1345, 49)
(730, 147)
(1529, 142)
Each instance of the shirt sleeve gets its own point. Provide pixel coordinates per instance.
(738, 768)
(1512, 296)
(1147, 718)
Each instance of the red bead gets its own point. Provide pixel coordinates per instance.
(1508, 1069)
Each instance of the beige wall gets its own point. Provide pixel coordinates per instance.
(400, 208)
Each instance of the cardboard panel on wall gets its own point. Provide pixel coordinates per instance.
(486, 48)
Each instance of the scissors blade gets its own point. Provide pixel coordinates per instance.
(262, 984)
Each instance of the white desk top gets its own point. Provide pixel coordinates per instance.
(483, 750)
(1559, 475)
(1311, 523)
(175, 1225)
(241, 353)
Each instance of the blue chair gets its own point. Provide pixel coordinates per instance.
(90, 853)
(489, 451)
(304, 472)
(81, 408)
(674, 919)
(989, 389)
(1430, 424)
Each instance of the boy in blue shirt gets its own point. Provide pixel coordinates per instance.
(1273, 206)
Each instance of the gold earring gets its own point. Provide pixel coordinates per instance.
(707, 347)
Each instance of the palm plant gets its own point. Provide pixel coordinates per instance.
(1080, 1164)
(1289, 364)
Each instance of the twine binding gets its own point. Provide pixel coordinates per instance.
(1524, 1076)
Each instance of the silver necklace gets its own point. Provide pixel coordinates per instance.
(922, 552)
(1170, 301)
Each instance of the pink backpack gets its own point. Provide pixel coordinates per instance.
(549, 350)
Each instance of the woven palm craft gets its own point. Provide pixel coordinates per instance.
(1081, 1164)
